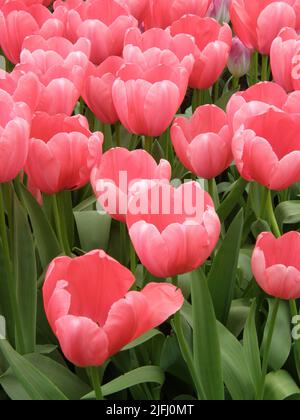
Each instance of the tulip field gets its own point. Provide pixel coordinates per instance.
(150, 202)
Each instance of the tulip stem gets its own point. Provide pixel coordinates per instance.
(254, 69)
(133, 263)
(271, 215)
(60, 225)
(15, 320)
(235, 83)
(295, 313)
(213, 192)
(265, 68)
(175, 281)
(94, 375)
(267, 350)
(118, 134)
(148, 144)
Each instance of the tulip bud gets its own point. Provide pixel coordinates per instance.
(219, 10)
(239, 58)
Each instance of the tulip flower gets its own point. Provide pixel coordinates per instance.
(14, 136)
(60, 67)
(62, 152)
(219, 10)
(285, 59)
(162, 13)
(103, 22)
(147, 97)
(276, 265)
(261, 154)
(172, 230)
(182, 45)
(136, 8)
(239, 59)
(97, 90)
(29, 20)
(258, 22)
(22, 87)
(94, 316)
(203, 143)
(213, 46)
(118, 171)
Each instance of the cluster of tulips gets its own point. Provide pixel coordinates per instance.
(103, 103)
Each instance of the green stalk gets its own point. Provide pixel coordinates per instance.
(265, 68)
(13, 302)
(93, 373)
(267, 350)
(254, 69)
(60, 225)
(118, 134)
(235, 83)
(133, 262)
(271, 216)
(148, 144)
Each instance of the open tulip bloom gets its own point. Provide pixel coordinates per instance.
(150, 201)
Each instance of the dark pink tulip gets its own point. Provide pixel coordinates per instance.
(276, 265)
(103, 22)
(203, 143)
(258, 22)
(173, 230)
(93, 314)
(118, 170)
(285, 59)
(162, 13)
(60, 67)
(266, 149)
(213, 46)
(14, 136)
(62, 152)
(97, 90)
(147, 97)
(28, 20)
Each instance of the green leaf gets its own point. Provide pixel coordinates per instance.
(232, 198)
(223, 274)
(281, 386)
(34, 382)
(87, 204)
(236, 375)
(223, 101)
(25, 275)
(72, 387)
(145, 374)
(251, 347)
(206, 345)
(238, 316)
(282, 339)
(46, 241)
(93, 229)
(143, 339)
(288, 213)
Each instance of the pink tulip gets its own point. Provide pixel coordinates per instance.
(62, 152)
(103, 22)
(14, 136)
(60, 67)
(22, 87)
(285, 59)
(93, 314)
(162, 13)
(181, 45)
(261, 154)
(97, 91)
(28, 20)
(276, 265)
(239, 58)
(258, 22)
(219, 10)
(213, 46)
(203, 143)
(147, 96)
(173, 230)
(136, 8)
(118, 171)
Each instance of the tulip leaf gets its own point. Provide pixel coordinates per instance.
(36, 384)
(46, 241)
(206, 345)
(223, 274)
(251, 347)
(288, 212)
(282, 338)
(145, 374)
(25, 275)
(143, 339)
(281, 386)
(93, 229)
(236, 375)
